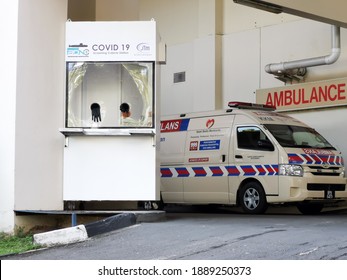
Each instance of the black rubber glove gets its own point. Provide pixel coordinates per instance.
(96, 116)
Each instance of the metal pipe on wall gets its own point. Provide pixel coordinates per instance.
(277, 68)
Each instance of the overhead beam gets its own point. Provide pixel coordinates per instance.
(328, 11)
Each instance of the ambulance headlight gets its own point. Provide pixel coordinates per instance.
(290, 170)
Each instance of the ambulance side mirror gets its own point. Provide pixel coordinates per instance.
(265, 145)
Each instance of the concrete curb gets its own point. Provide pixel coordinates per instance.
(82, 232)
(61, 236)
(110, 224)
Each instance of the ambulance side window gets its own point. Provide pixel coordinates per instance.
(253, 138)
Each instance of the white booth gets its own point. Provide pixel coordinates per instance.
(110, 156)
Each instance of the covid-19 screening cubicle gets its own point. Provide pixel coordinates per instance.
(111, 155)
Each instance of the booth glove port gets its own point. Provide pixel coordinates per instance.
(290, 170)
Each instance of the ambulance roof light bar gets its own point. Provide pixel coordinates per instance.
(249, 105)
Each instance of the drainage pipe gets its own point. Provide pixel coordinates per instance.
(277, 68)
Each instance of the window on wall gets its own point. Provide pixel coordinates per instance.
(97, 91)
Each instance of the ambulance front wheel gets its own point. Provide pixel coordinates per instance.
(252, 198)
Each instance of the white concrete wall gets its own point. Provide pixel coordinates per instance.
(33, 89)
(299, 40)
(197, 93)
(8, 31)
(177, 96)
(246, 53)
(40, 104)
(241, 66)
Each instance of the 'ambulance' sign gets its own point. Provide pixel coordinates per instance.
(304, 96)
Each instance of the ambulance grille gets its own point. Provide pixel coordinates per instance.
(326, 187)
(325, 174)
(329, 168)
(322, 171)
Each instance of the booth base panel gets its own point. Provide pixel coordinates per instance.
(110, 168)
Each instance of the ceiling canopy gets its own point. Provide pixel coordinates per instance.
(328, 11)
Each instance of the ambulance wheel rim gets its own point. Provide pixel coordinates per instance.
(252, 198)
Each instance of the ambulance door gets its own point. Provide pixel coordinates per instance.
(254, 157)
(172, 140)
(206, 155)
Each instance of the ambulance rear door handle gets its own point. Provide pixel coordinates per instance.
(223, 158)
(238, 156)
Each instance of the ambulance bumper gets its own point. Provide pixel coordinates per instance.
(322, 189)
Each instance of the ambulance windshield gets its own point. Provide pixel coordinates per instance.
(298, 137)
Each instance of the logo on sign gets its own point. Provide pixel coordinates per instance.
(193, 146)
(210, 123)
(317, 152)
(209, 145)
(80, 50)
(143, 47)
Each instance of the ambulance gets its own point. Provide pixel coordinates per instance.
(251, 156)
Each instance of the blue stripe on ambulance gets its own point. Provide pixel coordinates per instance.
(184, 124)
(314, 159)
(215, 171)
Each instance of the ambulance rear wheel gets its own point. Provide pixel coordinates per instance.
(252, 198)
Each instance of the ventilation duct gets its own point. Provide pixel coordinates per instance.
(285, 70)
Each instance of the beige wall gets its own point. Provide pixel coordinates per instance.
(119, 10)
(81, 10)
(177, 20)
(182, 21)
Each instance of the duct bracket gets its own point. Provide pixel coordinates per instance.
(288, 76)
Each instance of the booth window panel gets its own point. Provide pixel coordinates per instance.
(95, 91)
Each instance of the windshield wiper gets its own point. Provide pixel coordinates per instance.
(327, 148)
(303, 146)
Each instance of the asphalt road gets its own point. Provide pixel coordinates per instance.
(195, 233)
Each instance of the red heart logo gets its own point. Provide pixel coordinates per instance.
(210, 123)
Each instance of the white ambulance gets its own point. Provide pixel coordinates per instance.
(250, 156)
